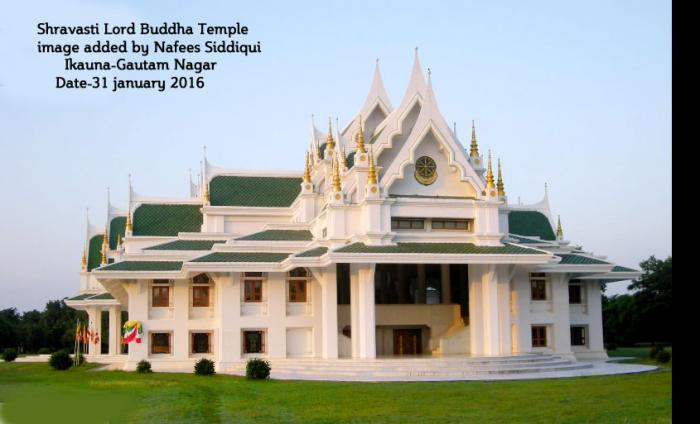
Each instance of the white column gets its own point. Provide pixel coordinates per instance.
(138, 310)
(562, 323)
(329, 313)
(445, 280)
(115, 321)
(277, 311)
(180, 342)
(228, 312)
(95, 315)
(476, 320)
(504, 321)
(366, 308)
(595, 318)
(355, 310)
(521, 314)
(489, 297)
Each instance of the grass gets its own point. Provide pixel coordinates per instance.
(33, 392)
(640, 355)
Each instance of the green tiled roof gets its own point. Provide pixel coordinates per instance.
(313, 253)
(143, 266)
(101, 296)
(116, 228)
(94, 249)
(166, 220)
(186, 245)
(80, 296)
(292, 235)
(243, 257)
(620, 268)
(526, 240)
(254, 191)
(530, 223)
(444, 248)
(568, 259)
(350, 160)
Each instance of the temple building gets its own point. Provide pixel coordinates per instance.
(394, 239)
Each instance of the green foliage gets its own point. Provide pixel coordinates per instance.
(257, 369)
(611, 346)
(143, 367)
(204, 367)
(9, 354)
(44, 351)
(81, 359)
(654, 351)
(663, 356)
(60, 360)
(645, 314)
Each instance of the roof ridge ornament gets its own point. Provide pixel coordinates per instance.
(330, 143)
(489, 176)
(360, 137)
(474, 148)
(335, 184)
(499, 183)
(560, 232)
(372, 172)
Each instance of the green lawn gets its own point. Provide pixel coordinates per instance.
(33, 392)
(641, 355)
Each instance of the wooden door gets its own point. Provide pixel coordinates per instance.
(407, 341)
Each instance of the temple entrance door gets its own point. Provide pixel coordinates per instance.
(407, 342)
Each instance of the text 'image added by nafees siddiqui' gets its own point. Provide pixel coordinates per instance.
(141, 56)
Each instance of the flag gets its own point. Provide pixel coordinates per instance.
(77, 331)
(132, 331)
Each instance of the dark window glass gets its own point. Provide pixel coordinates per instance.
(578, 336)
(253, 342)
(200, 296)
(160, 342)
(539, 336)
(298, 272)
(451, 224)
(297, 291)
(538, 290)
(574, 294)
(253, 290)
(160, 296)
(200, 343)
(407, 224)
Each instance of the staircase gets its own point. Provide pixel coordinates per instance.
(415, 368)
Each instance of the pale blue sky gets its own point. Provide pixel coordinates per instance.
(577, 94)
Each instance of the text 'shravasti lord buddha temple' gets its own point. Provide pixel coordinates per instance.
(394, 241)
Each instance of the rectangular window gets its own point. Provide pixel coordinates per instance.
(252, 286)
(538, 286)
(200, 296)
(539, 336)
(407, 223)
(578, 335)
(254, 341)
(160, 342)
(160, 296)
(297, 291)
(575, 297)
(452, 224)
(200, 343)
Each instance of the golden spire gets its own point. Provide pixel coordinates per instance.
(335, 182)
(474, 150)
(307, 170)
(330, 144)
(343, 158)
(205, 192)
(360, 138)
(560, 232)
(128, 227)
(105, 248)
(318, 150)
(499, 183)
(372, 172)
(489, 174)
(83, 262)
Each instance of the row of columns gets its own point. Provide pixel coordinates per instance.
(114, 329)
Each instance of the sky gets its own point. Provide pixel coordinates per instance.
(574, 94)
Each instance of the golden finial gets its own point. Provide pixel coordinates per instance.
(372, 172)
(499, 183)
(318, 150)
(83, 262)
(128, 227)
(489, 174)
(560, 232)
(105, 248)
(205, 192)
(307, 170)
(343, 159)
(335, 182)
(474, 151)
(330, 144)
(360, 138)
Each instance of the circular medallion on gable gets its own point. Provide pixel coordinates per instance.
(426, 170)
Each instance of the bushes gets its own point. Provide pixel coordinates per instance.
(44, 351)
(654, 351)
(143, 367)
(60, 360)
(9, 354)
(257, 369)
(204, 367)
(663, 356)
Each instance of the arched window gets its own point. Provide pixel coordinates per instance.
(200, 290)
(201, 279)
